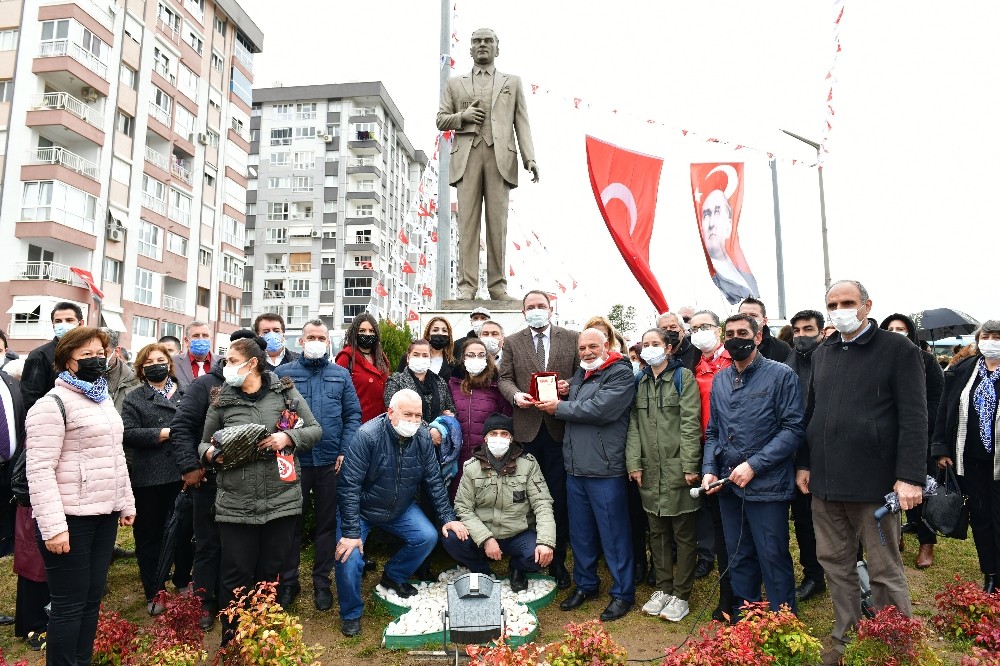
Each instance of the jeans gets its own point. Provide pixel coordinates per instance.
(520, 548)
(207, 543)
(419, 538)
(549, 454)
(598, 508)
(76, 584)
(322, 482)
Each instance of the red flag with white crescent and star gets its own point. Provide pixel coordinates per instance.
(434, 237)
(402, 237)
(717, 193)
(625, 185)
(413, 316)
(407, 268)
(426, 292)
(380, 290)
(423, 260)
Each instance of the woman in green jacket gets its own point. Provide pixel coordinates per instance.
(663, 456)
(255, 508)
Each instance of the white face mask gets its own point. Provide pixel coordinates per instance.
(474, 366)
(705, 341)
(636, 367)
(989, 348)
(406, 428)
(419, 365)
(232, 375)
(478, 326)
(592, 365)
(653, 355)
(537, 318)
(314, 349)
(62, 328)
(498, 446)
(846, 321)
(492, 345)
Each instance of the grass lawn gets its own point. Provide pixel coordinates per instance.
(643, 636)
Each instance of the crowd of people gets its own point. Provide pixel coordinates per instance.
(685, 452)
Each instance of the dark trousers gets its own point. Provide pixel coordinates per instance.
(705, 526)
(76, 584)
(805, 535)
(638, 524)
(664, 533)
(548, 453)
(153, 506)
(984, 513)
(322, 482)
(757, 537)
(252, 554)
(520, 548)
(721, 552)
(207, 543)
(29, 609)
(598, 514)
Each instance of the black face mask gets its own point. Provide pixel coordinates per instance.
(740, 348)
(155, 373)
(805, 343)
(673, 338)
(91, 369)
(439, 342)
(367, 340)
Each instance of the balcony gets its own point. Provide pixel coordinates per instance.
(56, 48)
(298, 293)
(179, 216)
(363, 165)
(300, 268)
(365, 143)
(233, 239)
(64, 158)
(157, 159)
(162, 70)
(276, 268)
(243, 55)
(170, 31)
(160, 114)
(61, 101)
(154, 204)
(40, 330)
(42, 270)
(274, 293)
(364, 194)
(173, 303)
(304, 216)
(181, 171)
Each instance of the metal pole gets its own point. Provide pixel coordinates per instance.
(443, 282)
(822, 206)
(778, 253)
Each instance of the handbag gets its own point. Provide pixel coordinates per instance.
(946, 511)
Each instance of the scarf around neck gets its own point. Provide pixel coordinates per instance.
(96, 391)
(428, 390)
(985, 401)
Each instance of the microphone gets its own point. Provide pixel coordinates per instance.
(696, 492)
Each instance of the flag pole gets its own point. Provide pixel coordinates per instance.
(778, 253)
(443, 281)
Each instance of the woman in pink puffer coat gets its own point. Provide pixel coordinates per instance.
(80, 490)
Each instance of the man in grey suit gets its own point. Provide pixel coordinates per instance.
(541, 347)
(198, 359)
(483, 107)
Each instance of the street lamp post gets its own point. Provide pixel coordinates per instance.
(822, 206)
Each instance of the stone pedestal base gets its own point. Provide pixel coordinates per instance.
(491, 305)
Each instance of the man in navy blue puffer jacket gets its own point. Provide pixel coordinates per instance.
(387, 462)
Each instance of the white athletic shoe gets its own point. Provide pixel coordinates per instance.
(676, 610)
(656, 603)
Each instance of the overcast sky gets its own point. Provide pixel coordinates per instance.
(913, 133)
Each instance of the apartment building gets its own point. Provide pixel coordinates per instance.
(333, 190)
(124, 148)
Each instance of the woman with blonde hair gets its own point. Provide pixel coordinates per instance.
(615, 339)
(438, 333)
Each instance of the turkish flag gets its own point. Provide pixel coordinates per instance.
(717, 193)
(625, 186)
(511, 270)
(426, 292)
(423, 260)
(434, 237)
(380, 290)
(88, 279)
(413, 316)
(402, 237)
(516, 246)
(407, 268)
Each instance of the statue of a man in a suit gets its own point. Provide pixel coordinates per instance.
(486, 109)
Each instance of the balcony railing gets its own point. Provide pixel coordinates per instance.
(233, 239)
(63, 157)
(43, 270)
(154, 204)
(276, 268)
(162, 70)
(55, 48)
(173, 33)
(159, 113)
(274, 293)
(179, 216)
(300, 268)
(173, 303)
(181, 171)
(156, 158)
(365, 135)
(361, 162)
(66, 102)
(243, 55)
(30, 329)
(304, 216)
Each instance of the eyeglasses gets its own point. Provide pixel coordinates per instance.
(704, 327)
(483, 355)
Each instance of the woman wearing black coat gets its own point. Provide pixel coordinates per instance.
(146, 414)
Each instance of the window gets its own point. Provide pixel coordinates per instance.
(57, 201)
(329, 206)
(232, 271)
(128, 77)
(304, 160)
(330, 181)
(184, 122)
(328, 261)
(282, 112)
(277, 210)
(229, 307)
(213, 138)
(276, 235)
(187, 81)
(215, 99)
(55, 29)
(112, 271)
(365, 210)
(169, 17)
(302, 184)
(210, 175)
(124, 123)
(352, 311)
(133, 30)
(193, 39)
(330, 234)
(176, 330)
(298, 288)
(363, 185)
(180, 208)
(160, 106)
(254, 135)
(279, 183)
(204, 297)
(204, 257)
(251, 209)
(240, 85)
(143, 287)
(150, 241)
(121, 170)
(177, 244)
(8, 40)
(363, 261)
(233, 231)
(305, 132)
(281, 159)
(328, 284)
(358, 287)
(162, 64)
(154, 195)
(94, 45)
(281, 136)
(220, 26)
(6, 90)
(143, 326)
(217, 62)
(364, 236)
(305, 111)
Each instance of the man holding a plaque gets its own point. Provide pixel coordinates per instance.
(596, 414)
(541, 348)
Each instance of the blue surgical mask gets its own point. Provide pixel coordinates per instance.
(61, 328)
(200, 346)
(275, 342)
(537, 318)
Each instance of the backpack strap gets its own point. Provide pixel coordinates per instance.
(62, 407)
(678, 379)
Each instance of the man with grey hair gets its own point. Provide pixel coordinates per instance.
(491, 334)
(677, 332)
(596, 413)
(866, 436)
(120, 375)
(198, 359)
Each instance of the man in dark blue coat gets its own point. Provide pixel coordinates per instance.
(391, 457)
(754, 430)
(329, 391)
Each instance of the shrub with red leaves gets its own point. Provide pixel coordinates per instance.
(981, 657)
(4, 662)
(174, 638)
(892, 639)
(115, 639)
(965, 612)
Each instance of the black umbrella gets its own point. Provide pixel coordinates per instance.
(943, 323)
(179, 523)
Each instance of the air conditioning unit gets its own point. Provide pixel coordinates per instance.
(317, 234)
(327, 138)
(203, 138)
(89, 94)
(115, 233)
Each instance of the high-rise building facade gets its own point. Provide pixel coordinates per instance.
(333, 193)
(124, 151)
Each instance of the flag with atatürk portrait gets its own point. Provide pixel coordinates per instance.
(625, 185)
(717, 192)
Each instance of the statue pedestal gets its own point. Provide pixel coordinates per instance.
(507, 313)
(491, 305)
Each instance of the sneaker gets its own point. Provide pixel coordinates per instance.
(676, 610)
(656, 603)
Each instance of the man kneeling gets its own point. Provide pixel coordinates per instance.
(501, 497)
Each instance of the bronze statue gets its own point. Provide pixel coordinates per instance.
(483, 107)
